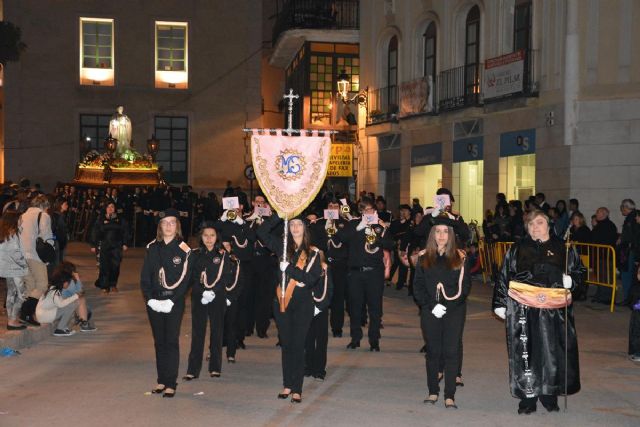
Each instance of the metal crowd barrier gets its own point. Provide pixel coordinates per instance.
(599, 260)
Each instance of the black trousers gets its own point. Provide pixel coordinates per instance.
(166, 338)
(402, 270)
(110, 260)
(316, 346)
(444, 337)
(293, 326)
(200, 314)
(246, 296)
(231, 327)
(547, 401)
(264, 269)
(366, 287)
(339, 274)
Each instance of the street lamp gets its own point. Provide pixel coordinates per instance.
(344, 87)
(152, 146)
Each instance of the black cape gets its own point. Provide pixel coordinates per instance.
(540, 331)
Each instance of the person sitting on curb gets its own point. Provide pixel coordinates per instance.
(54, 308)
(75, 287)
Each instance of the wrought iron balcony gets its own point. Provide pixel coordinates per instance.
(460, 87)
(317, 14)
(382, 104)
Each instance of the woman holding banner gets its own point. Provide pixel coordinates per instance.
(533, 296)
(293, 306)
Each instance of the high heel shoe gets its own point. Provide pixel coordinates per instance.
(283, 395)
(430, 399)
(450, 404)
(459, 382)
(189, 377)
(214, 374)
(169, 392)
(159, 389)
(295, 399)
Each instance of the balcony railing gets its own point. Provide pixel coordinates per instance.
(317, 14)
(459, 87)
(382, 104)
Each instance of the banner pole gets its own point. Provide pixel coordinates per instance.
(284, 256)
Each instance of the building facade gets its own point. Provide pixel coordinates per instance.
(187, 72)
(511, 96)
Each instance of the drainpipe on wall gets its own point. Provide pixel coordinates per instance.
(571, 73)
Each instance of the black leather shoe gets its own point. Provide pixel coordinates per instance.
(552, 408)
(526, 410)
(337, 334)
(353, 345)
(374, 347)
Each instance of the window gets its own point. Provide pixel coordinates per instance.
(96, 52)
(94, 129)
(429, 38)
(392, 74)
(173, 134)
(171, 55)
(522, 26)
(321, 76)
(472, 55)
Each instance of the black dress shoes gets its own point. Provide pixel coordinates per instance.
(353, 345)
(374, 347)
(526, 410)
(337, 334)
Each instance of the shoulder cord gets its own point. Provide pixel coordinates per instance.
(236, 280)
(243, 245)
(440, 287)
(203, 276)
(326, 279)
(163, 282)
(331, 243)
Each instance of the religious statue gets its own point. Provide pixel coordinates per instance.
(120, 129)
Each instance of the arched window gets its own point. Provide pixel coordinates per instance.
(429, 38)
(392, 72)
(472, 55)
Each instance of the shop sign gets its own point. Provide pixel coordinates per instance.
(426, 154)
(468, 149)
(518, 142)
(503, 75)
(341, 161)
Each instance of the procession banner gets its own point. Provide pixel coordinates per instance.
(416, 97)
(503, 75)
(290, 169)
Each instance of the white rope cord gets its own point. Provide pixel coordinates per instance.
(163, 282)
(203, 276)
(440, 287)
(243, 245)
(235, 281)
(324, 291)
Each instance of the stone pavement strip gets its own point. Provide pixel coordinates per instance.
(100, 378)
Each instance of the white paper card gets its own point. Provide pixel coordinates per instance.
(263, 211)
(331, 214)
(371, 218)
(230, 203)
(441, 201)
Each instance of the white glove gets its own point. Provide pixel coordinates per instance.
(566, 281)
(435, 212)
(316, 311)
(239, 220)
(228, 302)
(501, 312)
(439, 310)
(166, 306)
(207, 297)
(253, 216)
(154, 304)
(223, 218)
(283, 265)
(363, 224)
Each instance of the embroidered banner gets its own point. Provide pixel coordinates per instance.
(290, 169)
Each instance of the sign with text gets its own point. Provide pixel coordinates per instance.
(518, 142)
(426, 154)
(331, 214)
(341, 160)
(503, 75)
(468, 149)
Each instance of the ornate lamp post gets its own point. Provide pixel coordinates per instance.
(152, 146)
